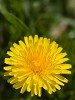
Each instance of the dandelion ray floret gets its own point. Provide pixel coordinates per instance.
(36, 63)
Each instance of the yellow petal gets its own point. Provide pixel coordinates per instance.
(8, 68)
(10, 62)
(61, 55)
(28, 80)
(11, 54)
(52, 87)
(59, 50)
(12, 80)
(32, 90)
(18, 85)
(61, 71)
(35, 89)
(39, 91)
(30, 40)
(56, 80)
(17, 47)
(65, 66)
(26, 41)
(35, 39)
(57, 86)
(29, 87)
(40, 41)
(22, 44)
(61, 60)
(46, 42)
(6, 74)
(61, 78)
(65, 72)
(24, 87)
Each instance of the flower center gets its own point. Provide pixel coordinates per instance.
(37, 60)
(38, 64)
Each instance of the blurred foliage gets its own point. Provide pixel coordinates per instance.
(48, 18)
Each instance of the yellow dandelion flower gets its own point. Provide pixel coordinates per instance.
(35, 64)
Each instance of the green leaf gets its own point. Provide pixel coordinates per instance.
(15, 20)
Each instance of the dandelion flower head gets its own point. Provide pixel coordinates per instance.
(36, 63)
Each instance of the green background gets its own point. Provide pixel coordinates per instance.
(48, 18)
